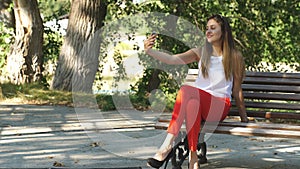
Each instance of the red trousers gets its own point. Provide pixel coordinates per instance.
(194, 106)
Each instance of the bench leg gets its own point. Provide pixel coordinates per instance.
(201, 147)
(202, 153)
(181, 150)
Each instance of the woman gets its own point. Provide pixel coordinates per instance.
(221, 71)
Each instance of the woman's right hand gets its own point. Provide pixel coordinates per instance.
(149, 42)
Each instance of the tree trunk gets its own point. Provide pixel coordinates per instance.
(1, 94)
(78, 60)
(25, 61)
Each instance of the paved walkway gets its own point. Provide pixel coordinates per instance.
(56, 136)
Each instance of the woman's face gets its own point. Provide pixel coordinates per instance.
(213, 31)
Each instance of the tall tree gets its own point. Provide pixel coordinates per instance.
(78, 60)
(25, 61)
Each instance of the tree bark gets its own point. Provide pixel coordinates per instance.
(1, 94)
(78, 60)
(25, 61)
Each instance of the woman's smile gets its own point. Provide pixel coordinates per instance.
(213, 31)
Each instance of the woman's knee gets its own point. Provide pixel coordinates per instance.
(193, 103)
(190, 91)
(193, 116)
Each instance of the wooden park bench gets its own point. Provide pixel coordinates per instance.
(272, 101)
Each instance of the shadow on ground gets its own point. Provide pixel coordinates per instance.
(51, 136)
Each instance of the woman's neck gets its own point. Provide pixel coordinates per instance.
(217, 50)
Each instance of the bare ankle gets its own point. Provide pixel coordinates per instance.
(193, 160)
(163, 152)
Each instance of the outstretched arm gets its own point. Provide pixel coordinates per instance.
(237, 92)
(182, 58)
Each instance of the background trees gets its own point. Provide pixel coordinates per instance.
(265, 31)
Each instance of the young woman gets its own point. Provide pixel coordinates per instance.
(221, 71)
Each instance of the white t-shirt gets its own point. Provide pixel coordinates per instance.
(216, 83)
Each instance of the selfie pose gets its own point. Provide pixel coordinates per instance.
(221, 71)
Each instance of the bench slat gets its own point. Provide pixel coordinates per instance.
(267, 115)
(271, 88)
(287, 106)
(262, 126)
(272, 96)
(273, 74)
(266, 80)
(241, 131)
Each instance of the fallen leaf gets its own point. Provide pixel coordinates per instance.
(95, 144)
(58, 164)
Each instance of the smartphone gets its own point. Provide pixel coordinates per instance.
(153, 33)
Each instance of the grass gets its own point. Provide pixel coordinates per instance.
(41, 95)
(35, 94)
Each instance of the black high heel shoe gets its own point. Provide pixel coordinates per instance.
(157, 164)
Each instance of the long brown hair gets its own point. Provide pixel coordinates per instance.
(228, 48)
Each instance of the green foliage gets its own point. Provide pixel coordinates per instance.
(267, 31)
(139, 102)
(6, 39)
(264, 30)
(53, 9)
(52, 43)
(105, 102)
(51, 50)
(121, 73)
